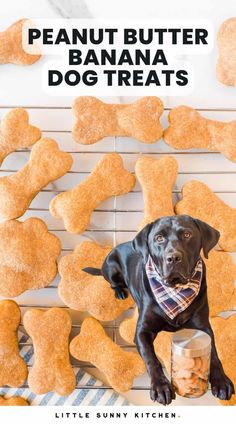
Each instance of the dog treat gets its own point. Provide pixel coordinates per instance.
(16, 132)
(95, 120)
(13, 370)
(46, 164)
(190, 362)
(75, 206)
(162, 343)
(28, 254)
(85, 292)
(51, 370)
(226, 41)
(200, 202)
(93, 345)
(221, 277)
(225, 338)
(188, 129)
(13, 401)
(11, 49)
(157, 178)
(190, 380)
(128, 326)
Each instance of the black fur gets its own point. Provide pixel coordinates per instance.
(124, 269)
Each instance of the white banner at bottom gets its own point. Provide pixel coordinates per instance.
(118, 415)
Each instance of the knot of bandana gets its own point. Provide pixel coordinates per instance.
(174, 300)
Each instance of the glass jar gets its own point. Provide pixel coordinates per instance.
(190, 362)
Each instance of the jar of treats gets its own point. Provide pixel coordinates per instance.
(190, 362)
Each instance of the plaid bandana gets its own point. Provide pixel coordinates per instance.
(174, 300)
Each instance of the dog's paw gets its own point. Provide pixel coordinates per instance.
(162, 391)
(121, 293)
(221, 386)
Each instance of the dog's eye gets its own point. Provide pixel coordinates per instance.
(187, 234)
(159, 238)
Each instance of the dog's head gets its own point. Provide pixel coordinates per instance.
(174, 243)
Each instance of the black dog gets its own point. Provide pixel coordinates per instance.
(174, 244)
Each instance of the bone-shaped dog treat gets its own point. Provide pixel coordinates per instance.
(95, 120)
(85, 292)
(11, 49)
(225, 338)
(93, 345)
(109, 178)
(16, 132)
(28, 254)
(200, 202)
(157, 178)
(13, 401)
(162, 343)
(226, 64)
(51, 370)
(13, 370)
(188, 129)
(221, 277)
(46, 164)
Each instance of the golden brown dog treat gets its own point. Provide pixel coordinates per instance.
(51, 370)
(157, 178)
(85, 292)
(95, 119)
(11, 49)
(13, 370)
(162, 343)
(13, 401)
(128, 326)
(200, 202)
(46, 164)
(189, 376)
(225, 338)
(221, 277)
(188, 129)
(75, 206)
(28, 254)
(226, 41)
(16, 132)
(93, 345)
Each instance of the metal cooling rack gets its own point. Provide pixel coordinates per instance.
(112, 327)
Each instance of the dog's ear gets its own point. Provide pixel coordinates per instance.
(140, 242)
(209, 236)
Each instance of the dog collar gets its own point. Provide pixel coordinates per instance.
(174, 300)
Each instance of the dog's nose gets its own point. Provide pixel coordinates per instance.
(174, 257)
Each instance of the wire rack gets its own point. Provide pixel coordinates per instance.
(223, 182)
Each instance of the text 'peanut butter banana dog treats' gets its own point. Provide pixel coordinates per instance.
(226, 42)
(96, 120)
(51, 370)
(189, 130)
(200, 202)
(16, 132)
(46, 164)
(94, 345)
(157, 178)
(11, 49)
(85, 292)
(28, 256)
(75, 206)
(13, 370)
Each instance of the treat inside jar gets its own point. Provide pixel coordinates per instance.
(190, 362)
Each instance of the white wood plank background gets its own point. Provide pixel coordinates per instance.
(116, 220)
